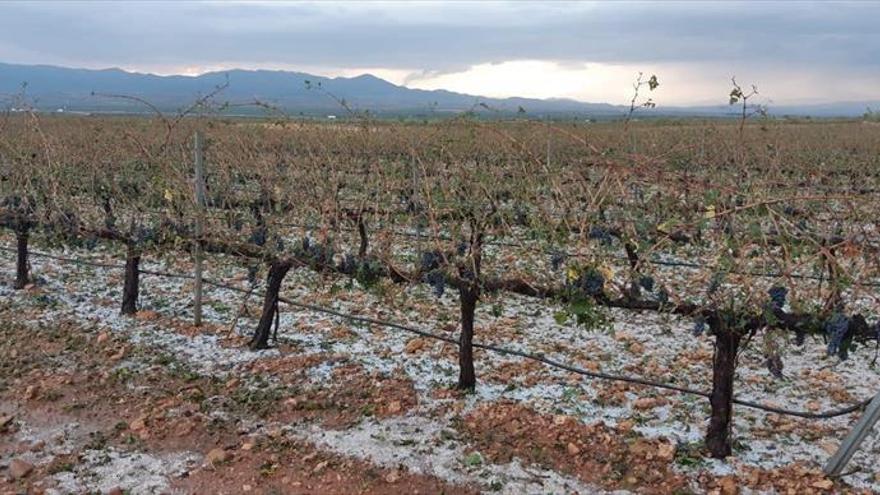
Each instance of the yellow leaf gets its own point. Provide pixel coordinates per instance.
(710, 212)
(168, 195)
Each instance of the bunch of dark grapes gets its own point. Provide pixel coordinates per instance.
(662, 295)
(591, 282)
(279, 244)
(800, 337)
(348, 264)
(143, 234)
(836, 329)
(647, 282)
(777, 296)
(557, 258)
(699, 327)
(258, 237)
(437, 280)
(601, 234)
(462, 248)
(775, 365)
(430, 260)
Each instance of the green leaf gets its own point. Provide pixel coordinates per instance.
(474, 459)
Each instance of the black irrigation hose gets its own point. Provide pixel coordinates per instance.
(489, 347)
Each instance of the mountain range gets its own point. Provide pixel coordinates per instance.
(53, 88)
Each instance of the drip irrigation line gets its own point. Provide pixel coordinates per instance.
(489, 347)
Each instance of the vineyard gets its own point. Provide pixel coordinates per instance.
(454, 306)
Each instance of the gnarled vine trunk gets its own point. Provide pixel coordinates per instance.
(467, 378)
(718, 437)
(469, 294)
(277, 271)
(362, 231)
(22, 269)
(131, 286)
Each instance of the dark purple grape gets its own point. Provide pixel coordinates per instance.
(258, 237)
(557, 258)
(777, 296)
(591, 281)
(774, 365)
(437, 280)
(699, 327)
(598, 233)
(430, 260)
(662, 295)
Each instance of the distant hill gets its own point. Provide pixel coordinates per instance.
(75, 90)
(51, 88)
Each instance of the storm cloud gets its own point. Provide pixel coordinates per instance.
(427, 39)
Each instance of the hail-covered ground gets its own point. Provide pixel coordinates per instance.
(527, 428)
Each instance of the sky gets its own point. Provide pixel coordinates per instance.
(795, 52)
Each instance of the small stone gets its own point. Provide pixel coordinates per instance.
(560, 419)
(414, 345)
(217, 456)
(30, 392)
(115, 491)
(394, 407)
(626, 425)
(247, 446)
(103, 337)
(246, 488)
(320, 467)
(138, 424)
(19, 469)
(119, 355)
(393, 477)
(645, 403)
(573, 449)
(825, 484)
(666, 451)
(728, 486)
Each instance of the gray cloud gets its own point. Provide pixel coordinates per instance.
(440, 37)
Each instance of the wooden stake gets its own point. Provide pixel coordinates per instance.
(200, 227)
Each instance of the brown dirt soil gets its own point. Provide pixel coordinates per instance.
(596, 454)
(63, 375)
(617, 458)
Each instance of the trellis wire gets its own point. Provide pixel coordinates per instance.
(489, 347)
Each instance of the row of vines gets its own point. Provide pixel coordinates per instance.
(758, 233)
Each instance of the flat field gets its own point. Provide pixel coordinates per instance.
(659, 307)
